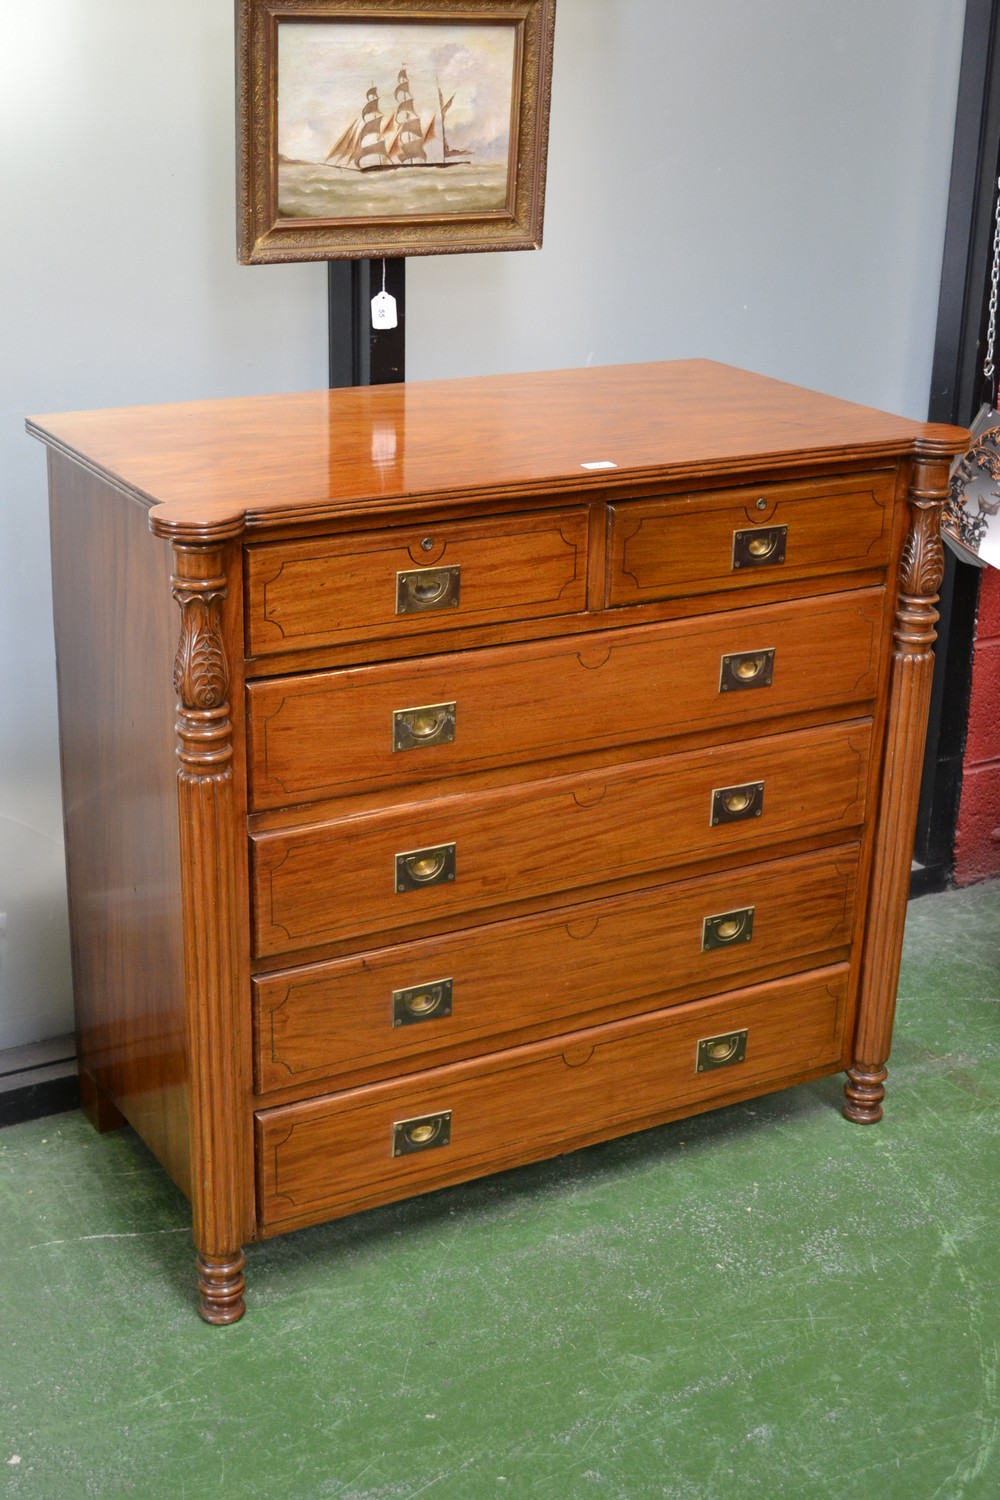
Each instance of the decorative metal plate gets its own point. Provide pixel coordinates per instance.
(721, 1051)
(419, 728)
(728, 929)
(416, 868)
(422, 589)
(422, 1002)
(732, 804)
(746, 669)
(759, 547)
(425, 1133)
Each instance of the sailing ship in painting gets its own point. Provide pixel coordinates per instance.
(375, 142)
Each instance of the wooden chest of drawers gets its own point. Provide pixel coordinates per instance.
(548, 768)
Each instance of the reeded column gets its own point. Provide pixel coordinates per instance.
(208, 843)
(921, 571)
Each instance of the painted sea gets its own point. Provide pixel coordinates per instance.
(308, 190)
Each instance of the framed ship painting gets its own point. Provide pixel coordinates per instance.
(391, 127)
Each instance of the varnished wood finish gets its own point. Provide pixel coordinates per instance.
(557, 697)
(332, 881)
(544, 974)
(235, 985)
(209, 853)
(116, 725)
(659, 548)
(921, 570)
(323, 593)
(331, 1155)
(381, 450)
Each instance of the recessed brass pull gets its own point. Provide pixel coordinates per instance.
(420, 589)
(421, 1134)
(419, 867)
(721, 1051)
(731, 804)
(759, 546)
(422, 1002)
(728, 929)
(746, 669)
(419, 728)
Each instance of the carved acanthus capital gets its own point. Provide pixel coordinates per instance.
(922, 561)
(201, 671)
(201, 674)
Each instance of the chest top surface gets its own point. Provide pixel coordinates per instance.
(219, 466)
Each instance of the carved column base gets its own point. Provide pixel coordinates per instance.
(864, 1092)
(221, 1285)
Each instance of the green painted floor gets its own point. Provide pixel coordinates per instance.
(763, 1301)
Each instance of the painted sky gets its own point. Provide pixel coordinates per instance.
(325, 70)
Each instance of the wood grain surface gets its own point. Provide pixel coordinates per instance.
(544, 974)
(331, 881)
(241, 965)
(334, 1154)
(202, 465)
(331, 590)
(318, 735)
(661, 548)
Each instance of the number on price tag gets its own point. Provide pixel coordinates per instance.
(384, 311)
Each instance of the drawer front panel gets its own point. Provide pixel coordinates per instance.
(733, 539)
(338, 1154)
(332, 732)
(694, 938)
(338, 880)
(377, 584)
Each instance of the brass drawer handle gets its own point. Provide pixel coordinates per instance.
(422, 1134)
(731, 804)
(746, 669)
(422, 1002)
(427, 588)
(420, 867)
(759, 547)
(721, 1051)
(418, 728)
(727, 929)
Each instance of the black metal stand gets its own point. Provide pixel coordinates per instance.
(957, 390)
(359, 353)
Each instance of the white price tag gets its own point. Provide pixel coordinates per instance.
(384, 311)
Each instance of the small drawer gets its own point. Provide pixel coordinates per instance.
(734, 539)
(329, 882)
(396, 1007)
(364, 727)
(348, 1151)
(407, 581)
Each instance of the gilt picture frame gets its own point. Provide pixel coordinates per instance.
(391, 127)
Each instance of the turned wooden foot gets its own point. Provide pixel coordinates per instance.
(221, 1286)
(98, 1106)
(864, 1091)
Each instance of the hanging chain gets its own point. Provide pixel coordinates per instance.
(991, 331)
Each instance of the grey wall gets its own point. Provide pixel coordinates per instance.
(761, 183)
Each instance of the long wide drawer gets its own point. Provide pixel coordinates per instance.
(329, 732)
(733, 539)
(408, 580)
(384, 870)
(347, 1151)
(396, 1007)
